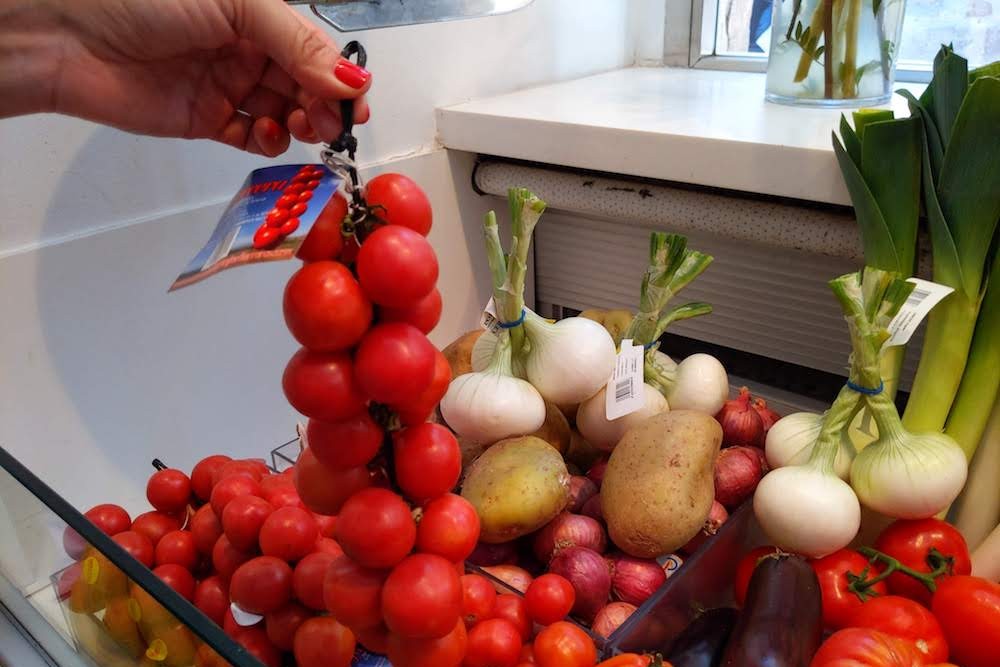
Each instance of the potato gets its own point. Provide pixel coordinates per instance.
(459, 352)
(659, 484)
(617, 322)
(517, 486)
(555, 429)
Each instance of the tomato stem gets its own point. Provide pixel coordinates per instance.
(939, 563)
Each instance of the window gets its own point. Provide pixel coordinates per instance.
(736, 34)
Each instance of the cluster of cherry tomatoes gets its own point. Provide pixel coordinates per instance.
(283, 219)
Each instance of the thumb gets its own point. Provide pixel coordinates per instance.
(302, 49)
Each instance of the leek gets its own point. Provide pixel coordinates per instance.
(977, 510)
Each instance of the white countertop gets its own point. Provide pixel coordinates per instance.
(702, 127)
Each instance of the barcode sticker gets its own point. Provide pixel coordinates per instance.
(244, 618)
(624, 390)
(489, 320)
(922, 299)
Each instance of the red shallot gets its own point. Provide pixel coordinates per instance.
(717, 516)
(741, 425)
(493, 554)
(581, 489)
(767, 416)
(592, 508)
(611, 616)
(635, 579)
(737, 472)
(588, 572)
(596, 472)
(516, 577)
(569, 530)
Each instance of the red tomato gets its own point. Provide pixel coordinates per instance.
(838, 600)
(289, 533)
(527, 654)
(206, 528)
(265, 237)
(168, 490)
(549, 598)
(282, 624)
(345, 444)
(178, 578)
(245, 467)
(864, 647)
(288, 227)
(328, 545)
(285, 201)
(376, 529)
(305, 196)
(494, 642)
(177, 547)
(325, 309)
(297, 209)
(745, 568)
(111, 519)
(968, 609)
(353, 594)
(230, 489)
(137, 545)
(284, 496)
(394, 363)
(294, 189)
(428, 461)
(203, 472)
(513, 608)
(396, 266)
(478, 599)
(242, 520)
(261, 585)
(327, 524)
(563, 644)
(398, 200)
(449, 527)
(447, 651)
(276, 217)
(154, 525)
(321, 385)
(423, 314)
(418, 410)
(323, 642)
(313, 184)
(229, 624)
(324, 489)
(226, 558)
(211, 596)
(324, 240)
(911, 542)
(376, 639)
(627, 660)
(903, 618)
(422, 598)
(308, 577)
(256, 642)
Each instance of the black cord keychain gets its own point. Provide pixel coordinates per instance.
(347, 143)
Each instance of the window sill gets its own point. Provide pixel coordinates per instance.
(701, 127)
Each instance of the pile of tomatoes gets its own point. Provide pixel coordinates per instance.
(283, 219)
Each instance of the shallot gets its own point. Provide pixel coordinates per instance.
(493, 554)
(515, 577)
(768, 417)
(592, 508)
(738, 470)
(596, 472)
(569, 530)
(588, 572)
(741, 424)
(633, 580)
(611, 616)
(716, 517)
(581, 489)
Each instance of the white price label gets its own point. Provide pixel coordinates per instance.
(624, 390)
(922, 299)
(244, 618)
(489, 320)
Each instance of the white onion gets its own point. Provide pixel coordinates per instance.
(593, 423)
(791, 439)
(568, 361)
(700, 383)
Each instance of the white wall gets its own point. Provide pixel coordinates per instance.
(100, 369)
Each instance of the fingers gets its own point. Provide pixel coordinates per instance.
(263, 136)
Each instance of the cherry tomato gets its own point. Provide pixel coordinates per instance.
(394, 363)
(285, 201)
(110, 519)
(345, 444)
(911, 542)
(563, 644)
(298, 208)
(305, 196)
(242, 519)
(308, 577)
(323, 642)
(265, 237)
(254, 639)
(211, 596)
(226, 558)
(549, 598)
(205, 528)
(284, 496)
(627, 660)
(527, 654)
(325, 309)
(229, 624)
(324, 489)
(178, 578)
(203, 473)
(276, 217)
(261, 585)
(428, 461)
(321, 385)
(494, 642)
(838, 600)
(353, 594)
(745, 568)
(294, 188)
(281, 625)
(177, 547)
(137, 545)
(864, 647)
(422, 598)
(449, 528)
(376, 529)
(396, 266)
(154, 525)
(903, 618)
(289, 533)
(478, 599)
(313, 184)
(418, 410)
(327, 524)
(168, 490)
(423, 314)
(513, 608)
(398, 200)
(325, 240)
(271, 483)
(328, 545)
(447, 651)
(245, 467)
(968, 609)
(288, 227)
(376, 639)
(230, 489)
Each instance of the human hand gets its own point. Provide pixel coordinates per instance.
(244, 72)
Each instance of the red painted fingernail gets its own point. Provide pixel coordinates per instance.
(351, 74)
(271, 130)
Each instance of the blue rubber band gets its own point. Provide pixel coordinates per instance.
(649, 345)
(516, 323)
(866, 390)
